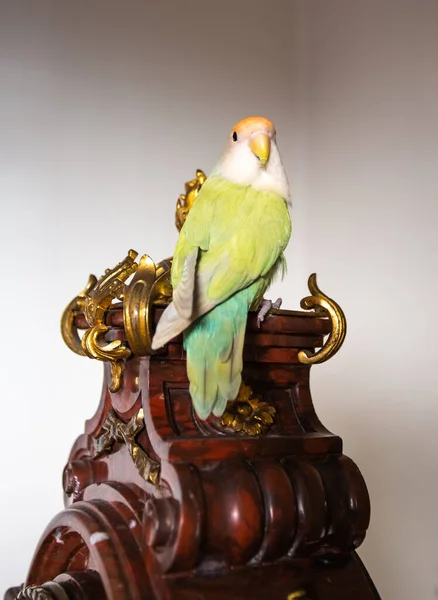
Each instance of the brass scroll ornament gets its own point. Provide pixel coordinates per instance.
(93, 302)
(185, 201)
(321, 303)
(48, 591)
(115, 430)
(149, 287)
(69, 331)
(248, 413)
(99, 298)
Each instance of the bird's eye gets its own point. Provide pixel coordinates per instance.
(234, 136)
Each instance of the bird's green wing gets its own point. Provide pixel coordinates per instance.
(233, 236)
(239, 233)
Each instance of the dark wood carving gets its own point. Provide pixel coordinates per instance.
(176, 509)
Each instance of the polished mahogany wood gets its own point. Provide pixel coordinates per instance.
(230, 515)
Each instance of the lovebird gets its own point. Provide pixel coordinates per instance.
(228, 252)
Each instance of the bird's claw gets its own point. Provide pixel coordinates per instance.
(266, 306)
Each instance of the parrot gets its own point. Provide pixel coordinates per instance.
(228, 252)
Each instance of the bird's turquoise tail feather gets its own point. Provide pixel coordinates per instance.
(214, 346)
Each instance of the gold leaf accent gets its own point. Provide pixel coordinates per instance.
(296, 595)
(265, 417)
(149, 287)
(96, 302)
(321, 303)
(227, 419)
(245, 393)
(110, 286)
(69, 331)
(115, 430)
(185, 201)
(35, 592)
(162, 290)
(248, 413)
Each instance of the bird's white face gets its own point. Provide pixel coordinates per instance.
(252, 158)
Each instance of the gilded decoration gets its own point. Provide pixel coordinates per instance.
(76, 307)
(248, 413)
(324, 306)
(97, 301)
(149, 287)
(115, 430)
(185, 201)
(36, 592)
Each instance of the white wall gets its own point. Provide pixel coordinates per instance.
(373, 210)
(107, 107)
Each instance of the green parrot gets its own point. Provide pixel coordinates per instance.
(228, 252)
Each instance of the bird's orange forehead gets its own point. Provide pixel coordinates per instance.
(251, 124)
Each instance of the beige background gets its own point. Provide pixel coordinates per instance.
(107, 107)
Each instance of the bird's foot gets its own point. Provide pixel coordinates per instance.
(266, 306)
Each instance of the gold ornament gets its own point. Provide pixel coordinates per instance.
(248, 413)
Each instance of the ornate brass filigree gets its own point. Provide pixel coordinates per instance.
(149, 287)
(115, 430)
(321, 303)
(185, 201)
(110, 286)
(296, 595)
(48, 591)
(69, 330)
(248, 414)
(97, 301)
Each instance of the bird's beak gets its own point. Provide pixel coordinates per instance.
(260, 145)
